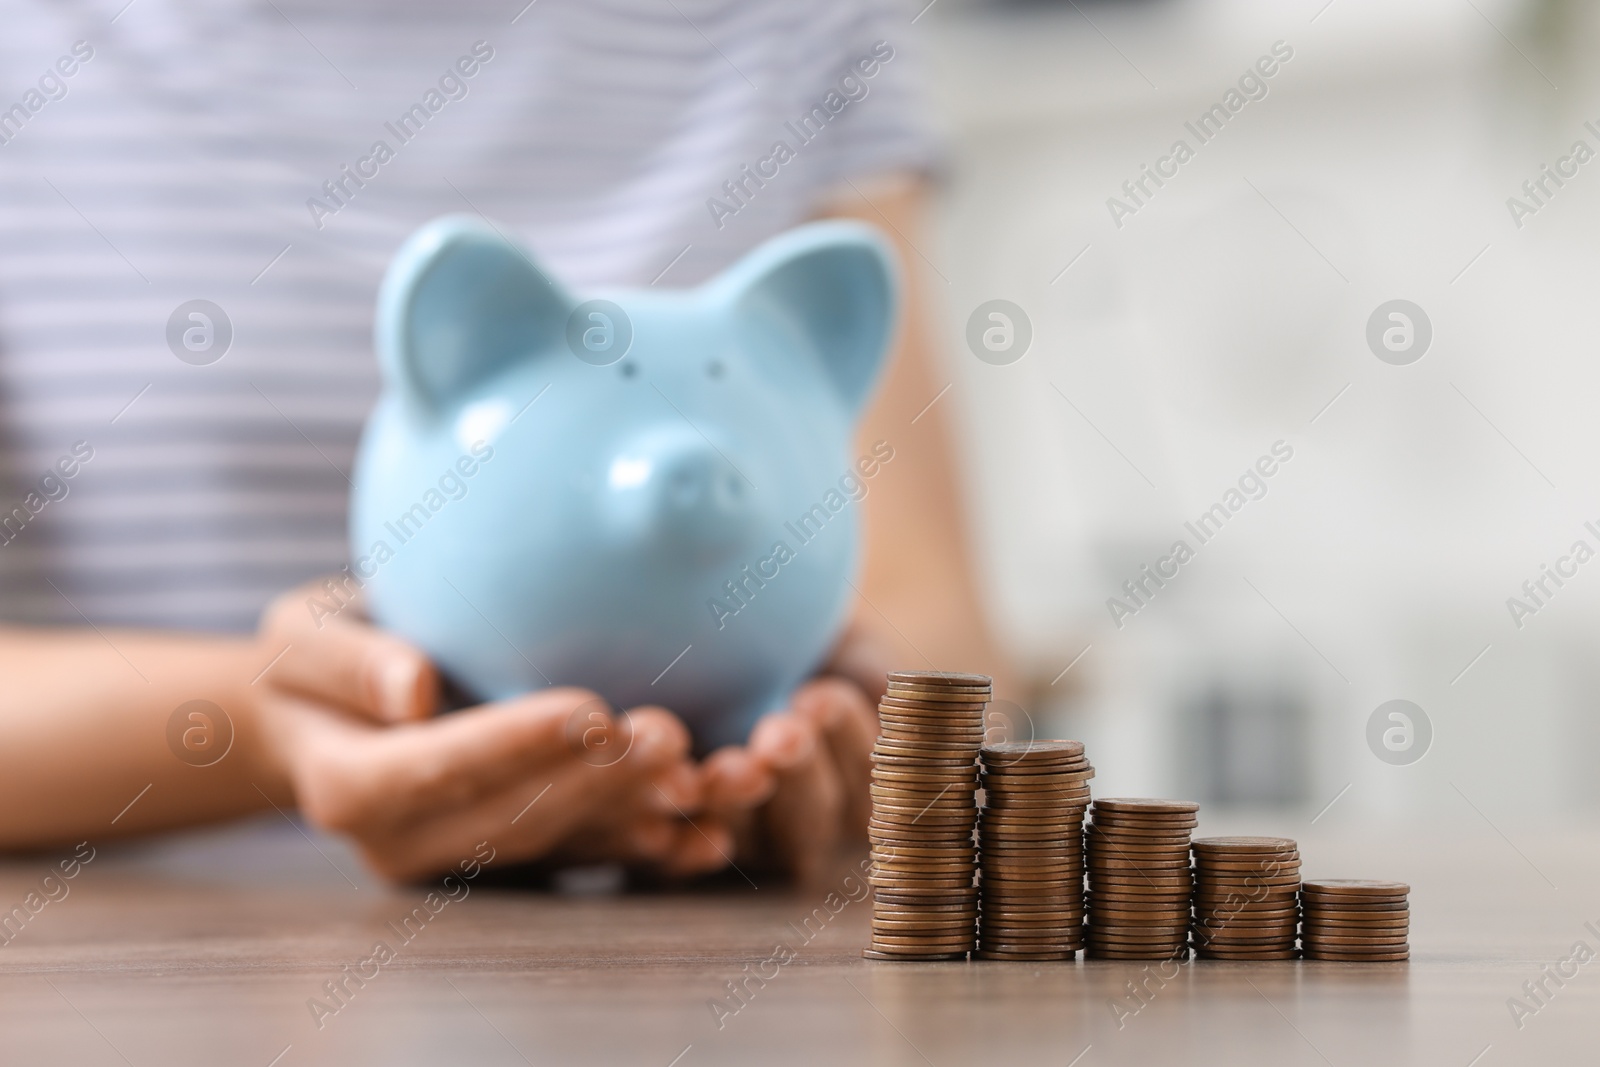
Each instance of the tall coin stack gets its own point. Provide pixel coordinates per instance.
(924, 810)
(1139, 886)
(1244, 897)
(1030, 843)
(1347, 919)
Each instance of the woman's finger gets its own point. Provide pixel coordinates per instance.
(734, 779)
(341, 661)
(839, 710)
(802, 818)
(364, 780)
(532, 816)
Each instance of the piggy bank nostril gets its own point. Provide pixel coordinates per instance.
(682, 488)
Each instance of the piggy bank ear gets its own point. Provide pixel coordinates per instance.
(833, 286)
(458, 303)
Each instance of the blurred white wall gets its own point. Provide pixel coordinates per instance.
(1224, 316)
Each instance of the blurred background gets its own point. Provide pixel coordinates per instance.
(1231, 312)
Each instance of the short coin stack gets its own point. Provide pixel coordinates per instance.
(924, 809)
(1347, 919)
(1139, 884)
(1030, 840)
(1244, 897)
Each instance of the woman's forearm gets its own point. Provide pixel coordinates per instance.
(84, 734)
(920, 575)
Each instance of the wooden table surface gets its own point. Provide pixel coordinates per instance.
(208, 949)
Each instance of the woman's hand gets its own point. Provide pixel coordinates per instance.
(806, 770)
(348, 712)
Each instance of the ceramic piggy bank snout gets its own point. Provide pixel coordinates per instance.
(650, 494)
(671, 490)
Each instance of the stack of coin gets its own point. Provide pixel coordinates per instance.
(1347, 919)
(1139, 886)
(1030, 848)
(924, 810)
(1244, 897)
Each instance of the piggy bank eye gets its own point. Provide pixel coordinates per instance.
(629, 369)
(714, 369)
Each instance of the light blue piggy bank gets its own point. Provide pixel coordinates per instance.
(650, 493)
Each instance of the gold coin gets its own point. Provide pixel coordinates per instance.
(1098, 850)
(964, 702)
(1101, 880)
(1268, 945)
(951, 791)
(965, 850)
(938, 913)
(1228, 921)
(1245, 845)
(1170, 913)
(1276, 862)
(1111, 821)
(910, 898)
(1240, 954)
(1340, 943)
(1357, 887)
(1333, 926)
(999, 869)
(921, 944)
(1071, 777)
(1226, 905)
(1140, 839)
(1133, 895)
(1044, 898)
(1311, 900)
(1033, 921)
(948, 754)
(1391, 907)
(1068, 775)
(1157, 949)
(1146, 804)
(938, 678)
(1212, 887)
(919, 760)
(1233, 935)
(1036, 750)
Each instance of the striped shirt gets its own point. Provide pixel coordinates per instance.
(267, 156)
